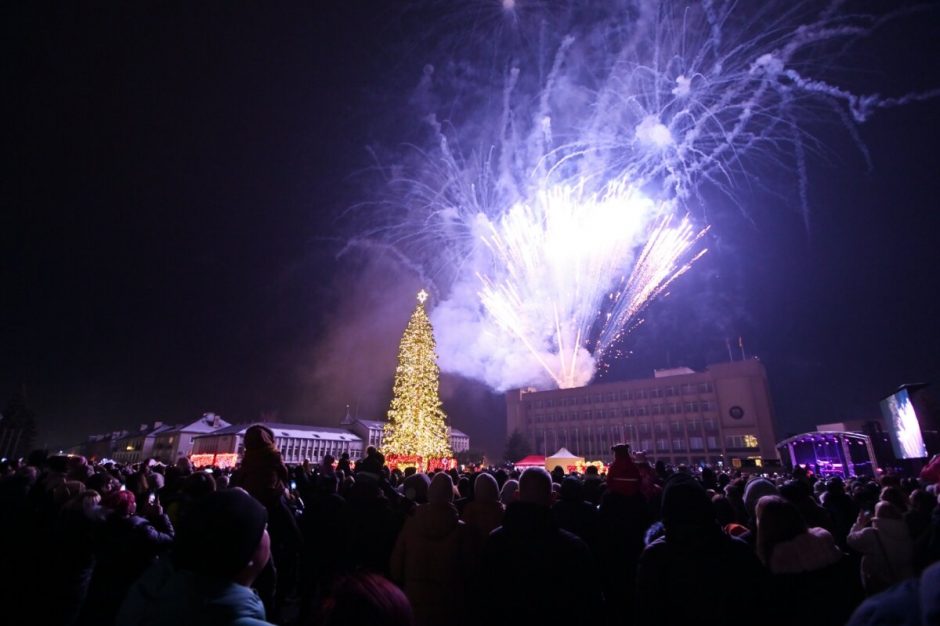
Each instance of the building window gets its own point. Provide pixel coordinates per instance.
(670, 392)
(678, 445)
(741, 441)
(712, 442)
(657, 409)
(705, 388)
(662, 445)
(696, 443)
(706, 405)
(626, 395)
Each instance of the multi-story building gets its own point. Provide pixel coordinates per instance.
(137, 446)
(176, 442)
(722, 414)
(296, 443)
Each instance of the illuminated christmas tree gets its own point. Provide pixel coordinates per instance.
(417, 425)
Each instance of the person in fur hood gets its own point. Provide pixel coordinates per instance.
(886, 547)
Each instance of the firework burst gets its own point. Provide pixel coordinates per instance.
(571, 139)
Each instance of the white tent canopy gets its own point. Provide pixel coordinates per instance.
(564, 458)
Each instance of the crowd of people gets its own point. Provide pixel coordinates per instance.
(352, 542)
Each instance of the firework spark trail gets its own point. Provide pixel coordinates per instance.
(555, 264)
(567, 138)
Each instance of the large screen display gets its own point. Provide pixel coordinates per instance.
(903, 426)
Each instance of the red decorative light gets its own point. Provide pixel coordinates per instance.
(402, 461)
(222, 460)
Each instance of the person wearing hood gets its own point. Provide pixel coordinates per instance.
(432, 559)
(415, 488)
(529, 547)
(574, 513)
(695, 560)
(262, 473)
(485, 512)
(507, 495)
(804, 562)
(886, 547)
(756, 489)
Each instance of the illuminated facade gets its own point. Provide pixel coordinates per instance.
(296, 442)
(723, 414)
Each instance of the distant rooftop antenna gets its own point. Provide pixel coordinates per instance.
(728, 345)
(741, 345)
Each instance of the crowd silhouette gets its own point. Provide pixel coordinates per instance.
(349, 541)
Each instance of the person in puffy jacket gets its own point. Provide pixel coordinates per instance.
(433, 557)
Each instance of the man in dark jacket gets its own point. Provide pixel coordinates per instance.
(529, 547)
(573, 513)
(683, 576)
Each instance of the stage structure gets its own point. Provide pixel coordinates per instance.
(830, 453)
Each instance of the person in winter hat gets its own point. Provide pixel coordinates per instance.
(415, 488)
(433, 558)
(754, 491)
(485, 512)
(222, 546)
(507, 494)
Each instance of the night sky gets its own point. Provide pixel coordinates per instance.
(170, 223)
